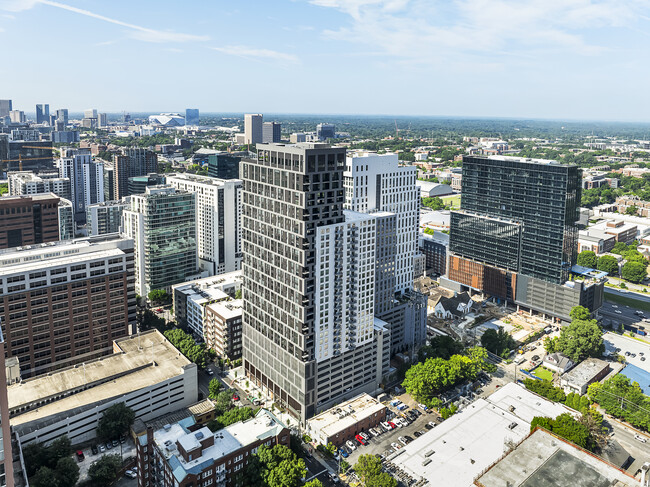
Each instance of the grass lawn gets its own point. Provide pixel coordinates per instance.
(543, 373)
(453, 200)
(624, 300)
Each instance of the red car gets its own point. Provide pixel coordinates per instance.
(360, 439)
(392, 425)
(159, 310)
(235, 397)
(80, 455)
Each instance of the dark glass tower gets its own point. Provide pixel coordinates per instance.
(519, 215)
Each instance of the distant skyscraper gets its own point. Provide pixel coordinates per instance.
(86, 179)
(253, 128)
(310, 337)
(133, 162)
(90, 113)
(191, 116)
(62, 115)
(42, 113)
(5, 107)
(17, 116)
(102, 120)
(109, 182)
(271, 132)
(325, 131)
(162, 222)
(218, 220)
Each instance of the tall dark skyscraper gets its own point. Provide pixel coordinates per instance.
(224, 165)
(191, 116)
(5, 107)
(516, 231)
(42, 113)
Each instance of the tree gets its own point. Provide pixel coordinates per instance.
(545, 389)
(45, 477)
(238, 294)
(275, 466)
(158, 296)
(67, 472)
(587, 258)
(550, 344)
(581, 339)
(631, 210)
(314, 483)
(103, 472)
(622, 398)
(116, 421)
(440, 346)
(619, 248)
(497, 342)
(434, 203)
(214, 387)
(579, 313)
(232, 416)
(634, 271)
(369, 470)
(609, 264)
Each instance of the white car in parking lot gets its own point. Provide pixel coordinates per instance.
(350, 445)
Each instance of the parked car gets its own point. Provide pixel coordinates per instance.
(102, 448)
(402, 440)
(334, 478)
(428, 426)
(640, 438)
(94, 449)
(80, 456)
(109, 445)
(374, 432)
(235, 397)
(361, 440)
(396, 446)
(385, 426)
(432, 424)
(364, 435)
(122, 439)
(350, 445)
(209, 371)
(417, 434)
(130, 474)
(343, 453)
(423, 407)
(392, 425)
(115, 443)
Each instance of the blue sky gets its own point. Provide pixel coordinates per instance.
(574, 59)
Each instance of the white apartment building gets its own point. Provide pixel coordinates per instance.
(345, 285)
(28, 183)
(253, 123)
(86, 179)
(376, 182)
(218, 220)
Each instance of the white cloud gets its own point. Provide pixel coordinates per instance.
(137, 31)
(258, 54)
(437, 30)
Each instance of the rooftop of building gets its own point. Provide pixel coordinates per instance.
(226, 441)
(139, 361)
(459, 449)
(546, 460)
(62, 252)
(209, 180)
(620, 228)
(227, 309)
(105, 204)
(35, 198)
(526, 160)
(30, 176)
(438, 237)
(346, 414)
(220, 281)
(585, 371)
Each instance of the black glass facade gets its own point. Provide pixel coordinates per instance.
(541, 196)
(487, 240)
(223, 166)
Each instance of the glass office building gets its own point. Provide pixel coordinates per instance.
(541, 198)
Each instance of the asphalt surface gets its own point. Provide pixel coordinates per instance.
(624, 435)
(616, 314)
(627, 344)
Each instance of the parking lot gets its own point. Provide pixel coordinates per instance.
(127, 451)
(382, 443)
(639, 351)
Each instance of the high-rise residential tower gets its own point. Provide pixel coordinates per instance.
(218, 220)
(86, 179)
(515, 236)
(379, 183)
(133, 162)
(162, 222)
(310, 337)
(6, 455)
(253, 128)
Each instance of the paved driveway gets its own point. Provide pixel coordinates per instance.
(128, 451)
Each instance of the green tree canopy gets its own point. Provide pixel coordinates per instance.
(440, 346)
(498, 341)
(103, 472)
(631, 210)
(158, 296)
(619, 248)
(609, 264)
(622, 398)
(579, 313)
(67, 472)
(368, 468)
(45, 477)
(275, 466)
(116, 421)
(37, 455)
(634, 271)
(587, 258)
(569, 428)
(214, 387)
(434, 203)
(581, 339)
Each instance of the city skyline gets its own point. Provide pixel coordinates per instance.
(467, 59)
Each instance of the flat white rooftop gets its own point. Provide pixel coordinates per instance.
(459, 449)
(544, 460)
(338, 418)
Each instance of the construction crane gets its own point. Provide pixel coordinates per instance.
(21, 158)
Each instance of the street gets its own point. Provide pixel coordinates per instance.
(615, 314)
(625, 436)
